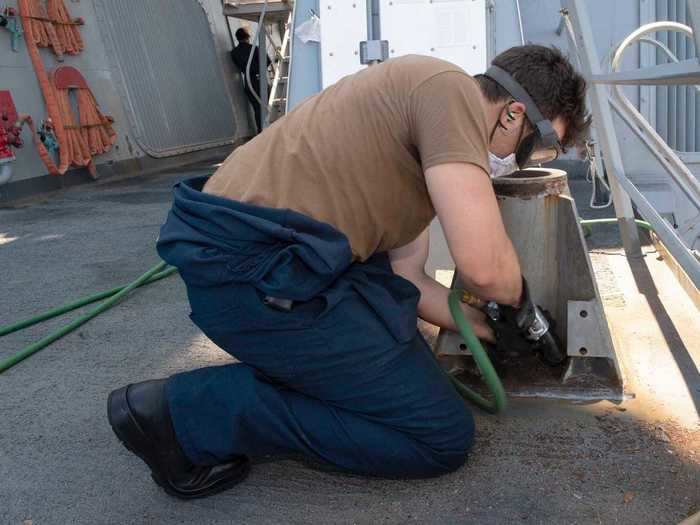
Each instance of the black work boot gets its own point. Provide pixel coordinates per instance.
(140, 418)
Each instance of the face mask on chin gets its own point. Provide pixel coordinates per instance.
(500, 167)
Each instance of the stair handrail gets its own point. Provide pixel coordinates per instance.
(666, 155)
(278, 70)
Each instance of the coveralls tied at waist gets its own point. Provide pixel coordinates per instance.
(214, 241)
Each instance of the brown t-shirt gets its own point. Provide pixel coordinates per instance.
(353, 156)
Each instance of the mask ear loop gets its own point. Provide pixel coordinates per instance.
(520, 140)
(509, 117)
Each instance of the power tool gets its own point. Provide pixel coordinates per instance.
(525, 329)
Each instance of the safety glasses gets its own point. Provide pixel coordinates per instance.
(540, 146)
(532, 151)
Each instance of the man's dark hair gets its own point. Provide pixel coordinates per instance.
(550, 79)
(242, 34)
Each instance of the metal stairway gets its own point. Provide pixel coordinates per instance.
(275, 10)
(277, 103)
(267, 13)
(634, 130)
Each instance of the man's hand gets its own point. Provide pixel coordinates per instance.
(478, 321)
(509, 338)
(466, 205)
(409, 262)
(527, 327)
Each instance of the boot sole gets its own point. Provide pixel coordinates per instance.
(129, 433)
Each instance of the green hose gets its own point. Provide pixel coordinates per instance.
(586, 224)
(499, 401)
(160, 271)
(55, 312)
(114, 299)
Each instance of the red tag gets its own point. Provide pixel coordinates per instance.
(8, 112)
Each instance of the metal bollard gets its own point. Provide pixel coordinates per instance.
(541, 219)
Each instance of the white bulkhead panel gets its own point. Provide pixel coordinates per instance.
(343, 27)
(454, 30)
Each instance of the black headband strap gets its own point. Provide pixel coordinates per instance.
(507, 82)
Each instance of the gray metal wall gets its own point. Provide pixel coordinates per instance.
(201, 27)
(163, 54)
(612, 21)
(677, 107)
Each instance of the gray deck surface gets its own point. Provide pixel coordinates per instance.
(541, 462)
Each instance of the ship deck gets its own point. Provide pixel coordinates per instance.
(542, 461)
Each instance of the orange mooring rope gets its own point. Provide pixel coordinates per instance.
(91, 135)
(66, 27)
(78, 138)
(42, 28)
(96, 128)
(76, 149)
(25, 10)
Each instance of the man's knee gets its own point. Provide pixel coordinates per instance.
(451, 441)
(461, 439)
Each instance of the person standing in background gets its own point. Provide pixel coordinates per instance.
(240, 55)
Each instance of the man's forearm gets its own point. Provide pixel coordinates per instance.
(466, 205)
(434, 309)
(505, 284)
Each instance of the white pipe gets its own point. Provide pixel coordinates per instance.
(520, 22)
(250, 56)
(5, 172)
(642, 31)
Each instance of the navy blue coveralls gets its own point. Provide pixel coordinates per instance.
(344, 377)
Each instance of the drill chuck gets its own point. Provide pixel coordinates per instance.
(538, 327)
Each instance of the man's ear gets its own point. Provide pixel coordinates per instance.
(512, 116)
(517, 109)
